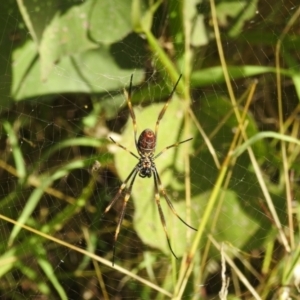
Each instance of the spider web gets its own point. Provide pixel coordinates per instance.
(59, 170)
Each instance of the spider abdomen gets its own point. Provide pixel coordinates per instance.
(147, 141)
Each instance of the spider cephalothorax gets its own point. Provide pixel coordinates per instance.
(145, 146)
(145, 166)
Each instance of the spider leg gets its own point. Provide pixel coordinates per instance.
(125, 201)
(171, 146)
(133, 173)
(122, 187)
(161, 114)
(132, 114)
(157, 179)
(121, 146)
(161, 214)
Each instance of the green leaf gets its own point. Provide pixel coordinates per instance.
(38, 14)
(232, 221)
(34, 275)
(243, 182)
(13, 33)
(215, 75)
(83, 72)
(17, 154)
(65, 35)
(50, 272)
(146, 219)
(110, 20)
(240, 11)
(37, 194)
(31, 204)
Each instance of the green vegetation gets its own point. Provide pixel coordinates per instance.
(64, 65)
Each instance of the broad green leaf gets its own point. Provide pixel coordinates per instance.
(38, 14)
(243, 182)
(65, 35)
(232, 220)
(93, 71)
(146, 218)
(203, 173)
(110, 20)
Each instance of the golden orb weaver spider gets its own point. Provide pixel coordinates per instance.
(145, 146)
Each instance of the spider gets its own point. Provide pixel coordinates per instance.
(145, 146)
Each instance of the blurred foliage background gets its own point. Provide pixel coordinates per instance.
(63, 68)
